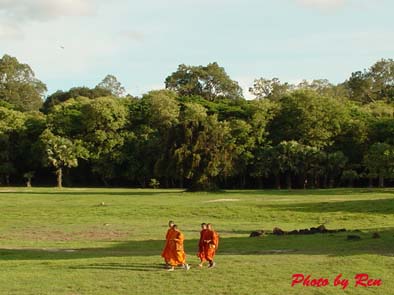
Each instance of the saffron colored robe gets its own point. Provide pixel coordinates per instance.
(201, 253)
(211, 244)
(177, 254)
(171, 234)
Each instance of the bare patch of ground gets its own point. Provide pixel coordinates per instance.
(222, 200)
(89, 235)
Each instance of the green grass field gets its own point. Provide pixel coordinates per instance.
(66, 242)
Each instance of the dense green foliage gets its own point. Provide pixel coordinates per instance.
(19, 86)
(200, 132)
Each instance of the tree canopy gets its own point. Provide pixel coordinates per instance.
(19, 86)
(210, 82)
(199, 132)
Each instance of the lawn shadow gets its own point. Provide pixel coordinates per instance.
(121, 266)
(56, 192)
(335, 244)
(377, 206)
(307, 192)
(152, 192)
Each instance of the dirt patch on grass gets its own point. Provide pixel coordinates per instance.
(222, 200)
(88, 235)
(55, 250)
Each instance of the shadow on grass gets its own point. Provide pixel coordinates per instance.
(322, 192)
(121, 266)
(56, 192)
(378, 206)
(152, 192)
(318, 244)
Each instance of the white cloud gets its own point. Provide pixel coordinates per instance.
(323, 4)
(43, 10)
(132, 35)
(17, 15)
(245, 82)
(10, 32)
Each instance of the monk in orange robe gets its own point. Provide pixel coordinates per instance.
(201, 253)
(170, 235)
(211, 244)
(177, 255)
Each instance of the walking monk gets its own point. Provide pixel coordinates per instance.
(211, 243)
(177, 254)
(201, 253)
(169, 236)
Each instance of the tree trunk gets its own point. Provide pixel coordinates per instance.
(317, 181)
(225, 182)
(166, 182)
(325, 181)
(260, 182)
(142, 181)
(331, 182)
(370, 182)
(381, 181)
(288, 180)
(59, 174)
(277, 181)
(302, 182)
(181, 182)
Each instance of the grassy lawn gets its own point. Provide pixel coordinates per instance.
(108, 241)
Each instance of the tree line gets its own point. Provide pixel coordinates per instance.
(199, 132)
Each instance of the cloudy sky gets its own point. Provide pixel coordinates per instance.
(77, 42)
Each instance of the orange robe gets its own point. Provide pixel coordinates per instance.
(211, 244)
(201, 253)
(171, 234)
(177, 253)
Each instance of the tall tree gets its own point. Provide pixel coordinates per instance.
(11, 122)
(75, 92)
(112, 84)
(307, 118)
(162, 108)
(19, 86)
(266, 163)
(61, 153)
(162, 117)
(272, 89)
(27, 152)
(104, 119)
(295, 159)
(334, 162)
(324, 87)
(67, 119)
(379, 161)
(244, 144)
(204, 148)
(353, 138)
(210, 82)
(376, 83)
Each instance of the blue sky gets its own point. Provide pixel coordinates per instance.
(142, 42)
